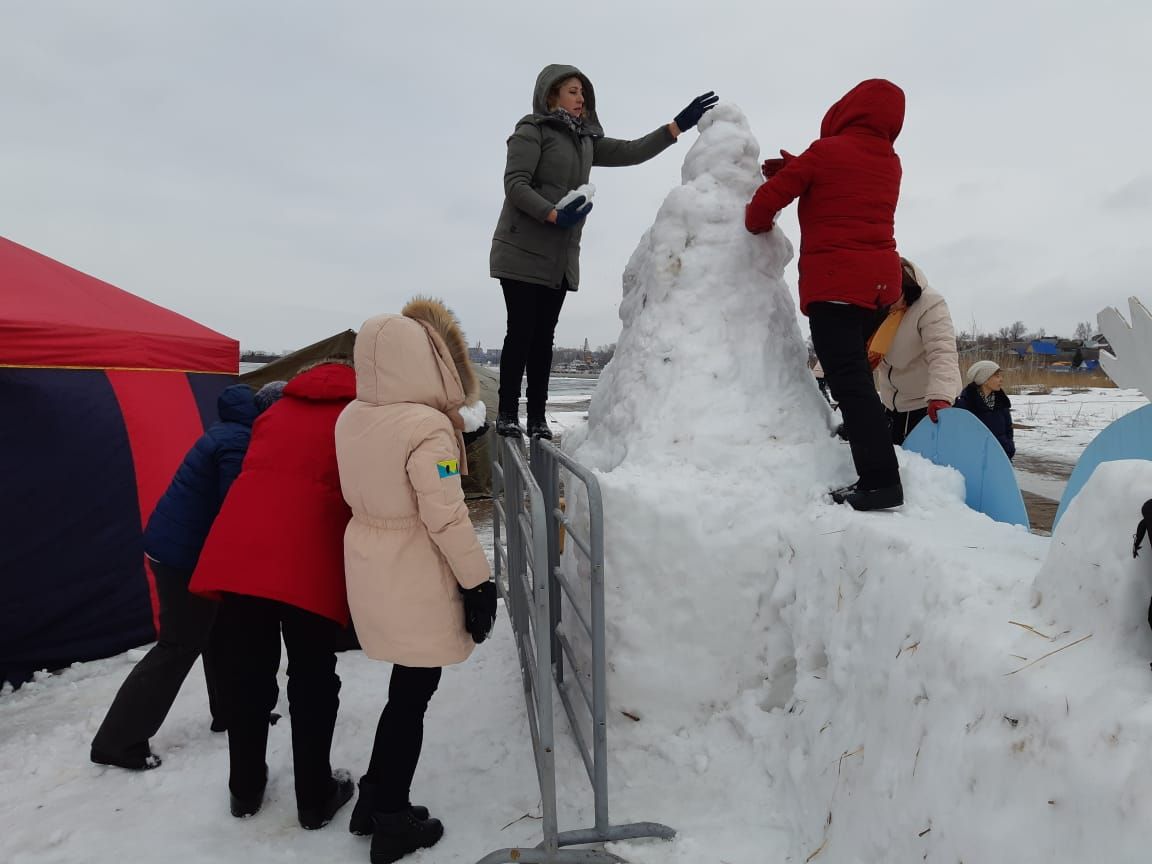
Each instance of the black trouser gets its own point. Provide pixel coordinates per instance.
(400, 735)
(903, 422)
(533, 311)
(147, 694)
(247, 640)
(840, 335)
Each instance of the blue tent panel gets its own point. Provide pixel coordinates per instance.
(961, 441)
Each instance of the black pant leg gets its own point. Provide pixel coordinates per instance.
(208, 661)
(903, 422)
(520, 300)
(548, 307)
(400, 735)
(313, 700)
(147, 694)
(838, 336)
(246, 638)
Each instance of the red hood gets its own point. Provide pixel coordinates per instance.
(875, 105)
(328, 382)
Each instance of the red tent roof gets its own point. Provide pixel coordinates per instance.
(52, 315)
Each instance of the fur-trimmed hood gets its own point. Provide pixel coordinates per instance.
(444, 324)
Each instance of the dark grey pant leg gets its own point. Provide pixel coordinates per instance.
(147, 694)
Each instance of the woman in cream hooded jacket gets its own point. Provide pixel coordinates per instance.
(921, 365)
(410, 541)
(409, 546)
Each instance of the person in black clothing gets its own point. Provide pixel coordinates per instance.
(172, 541)
(984, 396)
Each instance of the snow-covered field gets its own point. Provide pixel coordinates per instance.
(1057, 426)
(811, 684)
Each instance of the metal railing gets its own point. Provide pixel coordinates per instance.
(526, 506)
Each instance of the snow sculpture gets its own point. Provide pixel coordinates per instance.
(701, 428)
(710, 356)
(1130, 362)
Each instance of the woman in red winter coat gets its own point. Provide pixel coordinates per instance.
(848, 183)
(276, 556)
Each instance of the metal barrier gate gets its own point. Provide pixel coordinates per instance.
(526, 506)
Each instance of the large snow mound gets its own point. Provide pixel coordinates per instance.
(813, 683)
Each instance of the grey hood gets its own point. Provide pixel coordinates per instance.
(552, 75)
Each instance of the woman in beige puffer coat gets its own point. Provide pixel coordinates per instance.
(920, 373)
(415, 570)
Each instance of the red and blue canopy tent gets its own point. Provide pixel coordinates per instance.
(101, 395)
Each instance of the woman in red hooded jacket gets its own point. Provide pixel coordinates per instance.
(848, 183)
(276, 557)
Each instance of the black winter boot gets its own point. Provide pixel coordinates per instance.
(870, 499)
(398, 834)
(508, 425)
(538, 428)
(247, 805)
(841, 494)
(361, 824)
(135, 759)
(339, 794)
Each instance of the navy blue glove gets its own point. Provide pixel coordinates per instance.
(696, 109)
(479, 610)
(573, 212)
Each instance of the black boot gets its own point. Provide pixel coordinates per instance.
(508, 425)
(247, 805)
(361, 823)
(398, 834)
(538, 428)
(839, 496)
(871, 499)
(135, 759)
(339, 794)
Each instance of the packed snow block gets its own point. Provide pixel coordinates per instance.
(961, 441)
(1128, 437)
(1091, 582)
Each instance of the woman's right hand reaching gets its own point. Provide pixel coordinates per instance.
(572, 213)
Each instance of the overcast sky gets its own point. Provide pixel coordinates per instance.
(282, 170)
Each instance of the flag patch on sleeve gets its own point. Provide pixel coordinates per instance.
(448, 468)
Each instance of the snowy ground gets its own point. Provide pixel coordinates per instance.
(1057, 426)
(1052, 430)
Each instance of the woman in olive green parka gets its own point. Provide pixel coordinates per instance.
(536, 246)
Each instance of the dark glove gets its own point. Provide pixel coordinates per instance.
(573, 212)
(771, 167)
(1138, 538)
(479, 610)
(696, 109)
(471, 437)
(935, 405)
